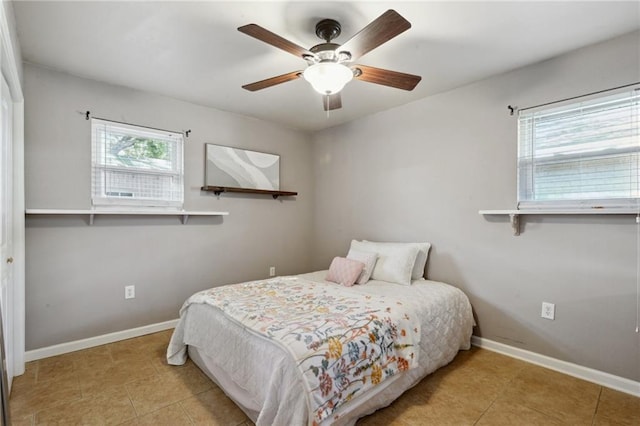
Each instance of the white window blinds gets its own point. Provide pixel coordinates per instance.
(581, 154)
(136, 166)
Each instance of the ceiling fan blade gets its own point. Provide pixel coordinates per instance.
(332, 102)
(384, 28)
(398, 80)
(273, 39)
(263, 84)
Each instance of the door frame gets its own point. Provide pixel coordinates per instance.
(10, 62)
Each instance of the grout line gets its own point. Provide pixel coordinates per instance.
(553, 416)
(37, 373)
(130, 400)
(185, 412)
(593, 417)
(503, 390)
(485, 411)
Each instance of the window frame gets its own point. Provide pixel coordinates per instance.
(526, 172)
(99, 190)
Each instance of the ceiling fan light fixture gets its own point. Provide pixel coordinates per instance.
(328, 78)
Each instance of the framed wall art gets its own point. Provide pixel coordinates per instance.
(241, 168)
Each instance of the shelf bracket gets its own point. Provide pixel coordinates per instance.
(185, 218)
(515, 223)
(91, 216)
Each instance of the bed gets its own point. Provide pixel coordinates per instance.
(274, 385)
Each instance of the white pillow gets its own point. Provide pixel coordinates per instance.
(395, 262)
(421, 259)
(369, 260)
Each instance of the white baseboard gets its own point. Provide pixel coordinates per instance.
(91, 342)
(596, 376)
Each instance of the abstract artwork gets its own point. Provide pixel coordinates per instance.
(241, 168)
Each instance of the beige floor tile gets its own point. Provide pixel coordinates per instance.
(213, 408)
(618, 408)
(27, 380)
(599, 420)
(493, 365)
(435, 407)
(23, 421)
(508, 414)
(54, 368)
(173, 415)
(92, 359)
(147, 348)
(109, 408)
(131, 349)
(151, 393)
(569, 399)
(466, 383)
(96, 381)
(40, 396)
(162, 338)
(188, 379)
(424, 387)
(157, 345)
(157, 391)
(381, 418)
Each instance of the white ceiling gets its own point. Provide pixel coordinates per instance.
(193, 51)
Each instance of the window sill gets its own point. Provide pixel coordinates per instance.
(514, 215)
(184, 214)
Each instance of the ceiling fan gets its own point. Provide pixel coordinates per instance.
(330, 65)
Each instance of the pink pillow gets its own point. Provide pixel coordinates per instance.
(344, 271)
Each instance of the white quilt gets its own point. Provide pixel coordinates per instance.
(263, 378)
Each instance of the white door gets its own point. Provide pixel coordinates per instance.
(6, 225)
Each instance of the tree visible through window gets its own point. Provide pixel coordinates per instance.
(135, 166)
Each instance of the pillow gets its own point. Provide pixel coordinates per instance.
(344, 271)
(395, 262)
(421, 259)
(369, 260)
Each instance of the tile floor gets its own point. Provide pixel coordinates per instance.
(130, 383)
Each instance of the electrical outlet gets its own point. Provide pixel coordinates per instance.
(272, 271)
(130, 292)
(548, 310)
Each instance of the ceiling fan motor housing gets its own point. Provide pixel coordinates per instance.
(325, 52)
(328, 29)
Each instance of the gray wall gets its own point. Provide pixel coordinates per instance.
(76, 273)
(422, 171)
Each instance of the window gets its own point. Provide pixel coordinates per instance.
(582, 154)
(135, 166)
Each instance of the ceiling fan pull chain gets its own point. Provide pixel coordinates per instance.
(327, 98)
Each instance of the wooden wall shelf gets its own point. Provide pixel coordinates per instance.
(275, 194)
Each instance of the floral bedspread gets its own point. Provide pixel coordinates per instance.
(343, 342)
